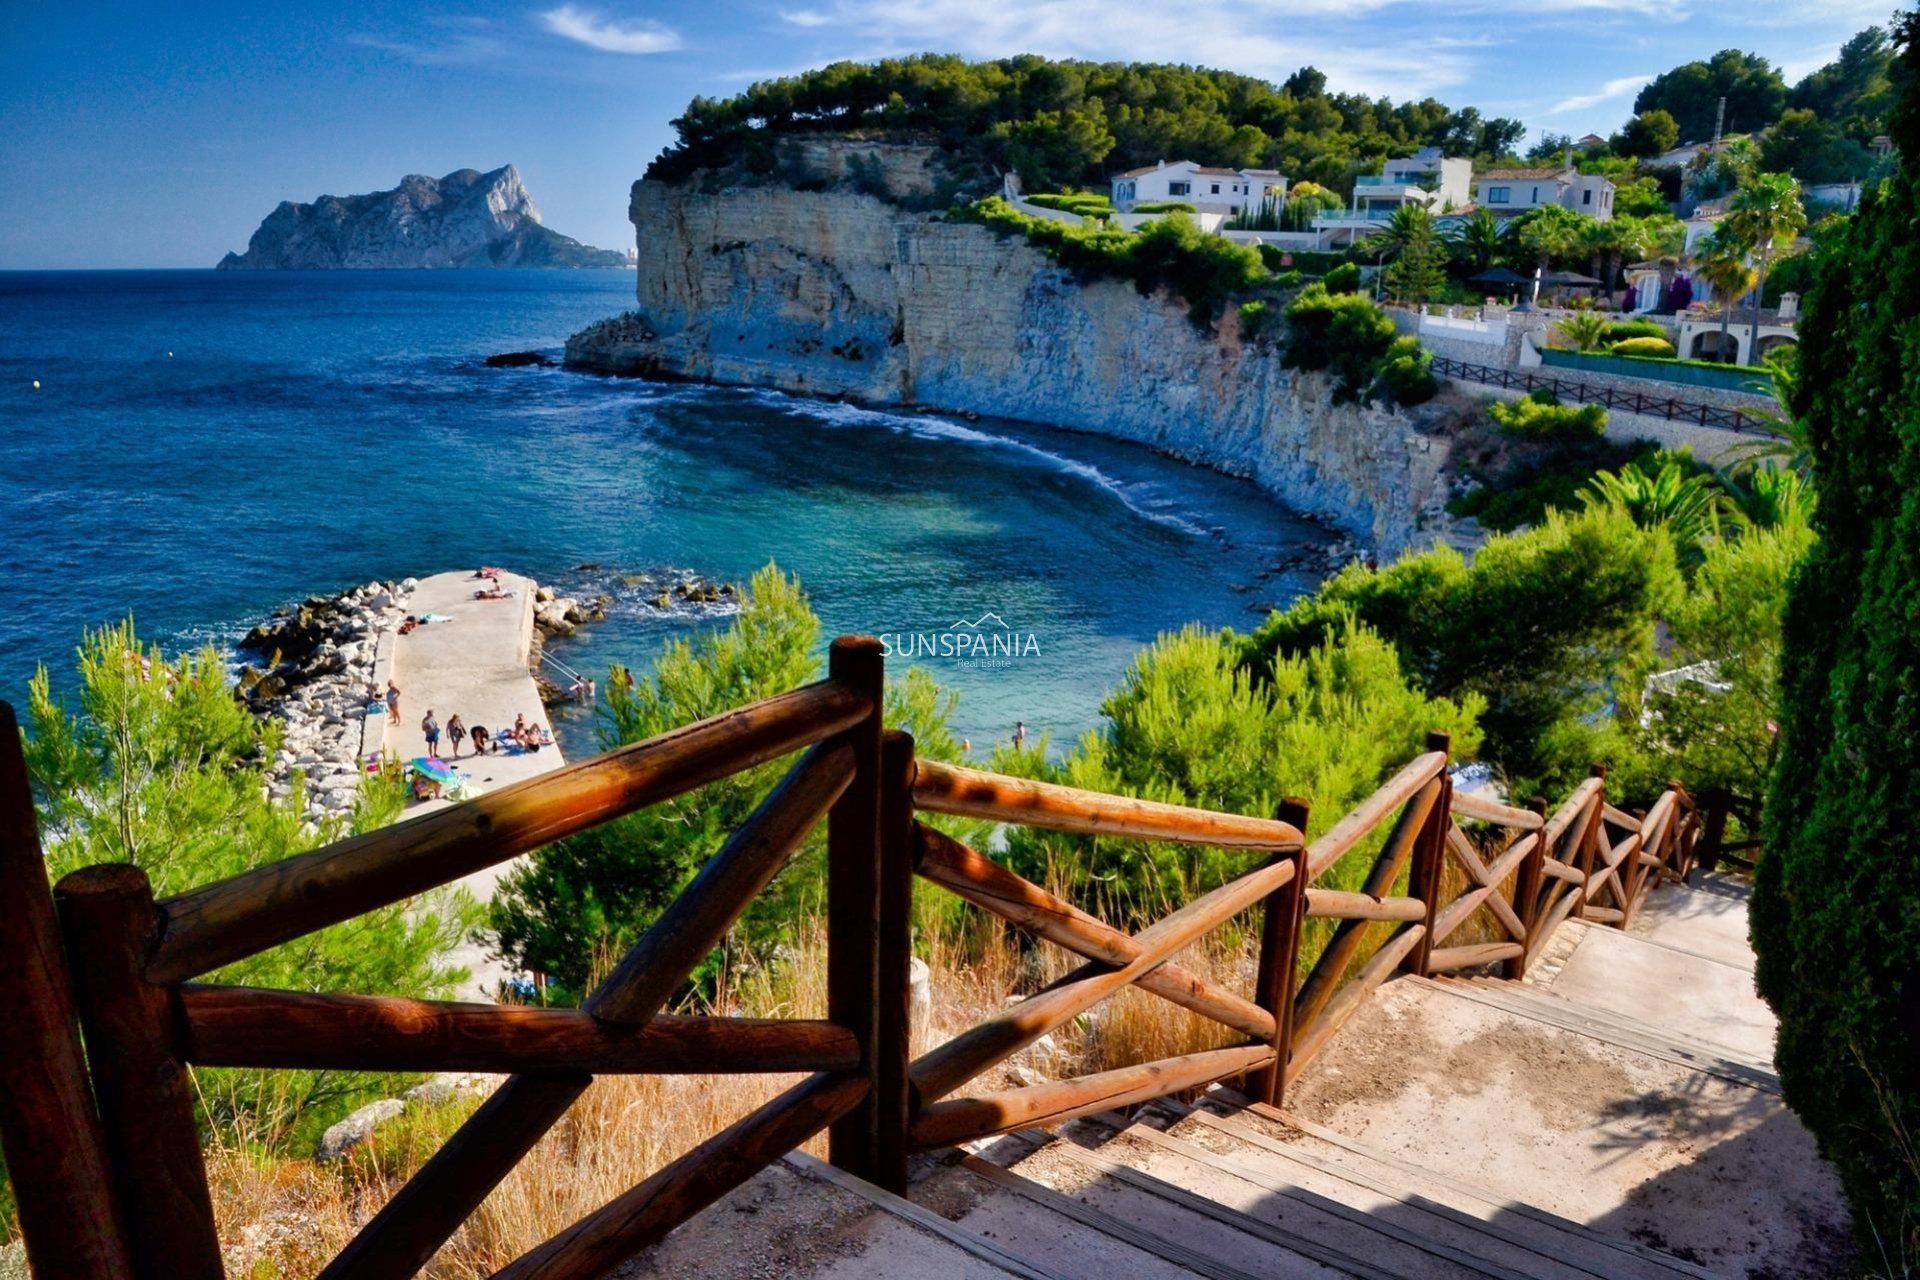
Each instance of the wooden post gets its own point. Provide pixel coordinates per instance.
(56, 1152)
(893, 1046)
(1526, 891)
(1280, 923)
(1429, 855)
(1714, 829)
(139, 1074)
(1590, 833)
(853, 900)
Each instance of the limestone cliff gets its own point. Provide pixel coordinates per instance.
(466, 219)
(837, 293)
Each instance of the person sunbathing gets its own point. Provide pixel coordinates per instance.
(493, 593)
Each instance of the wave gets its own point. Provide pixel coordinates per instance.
(934, 427)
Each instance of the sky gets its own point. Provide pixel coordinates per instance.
(159, 135)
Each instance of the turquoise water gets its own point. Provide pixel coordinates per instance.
(204, 446)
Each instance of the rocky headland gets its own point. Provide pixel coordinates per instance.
(831, 279)
(466, 219)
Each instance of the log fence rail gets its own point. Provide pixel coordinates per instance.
(107, 1164)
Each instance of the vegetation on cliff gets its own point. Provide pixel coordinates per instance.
(1834, 922)
(1067, 123)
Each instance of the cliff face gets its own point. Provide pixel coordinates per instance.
(466, 219)
(840, 294)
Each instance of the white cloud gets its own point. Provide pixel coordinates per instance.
(805, 17)
(1619, 87)
(609, 35)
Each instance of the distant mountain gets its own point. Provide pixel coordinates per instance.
(466, 219)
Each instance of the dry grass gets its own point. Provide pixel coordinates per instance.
(286, 1218)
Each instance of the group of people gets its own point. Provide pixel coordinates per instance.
(491, 591)
(525, 736)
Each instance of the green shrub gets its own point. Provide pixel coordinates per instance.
(1589, 587)
(1253, 318)
(1625, 330)
(1651, 348)
(1170, 252)
(1833, 913)
(1190, 725)
(1163, 206)
(1547, 419)
(1342, 333)
(589, 896)
(1080, 202)
(1344, 278)
(1407, 372)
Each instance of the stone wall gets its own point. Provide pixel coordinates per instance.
(835, 293)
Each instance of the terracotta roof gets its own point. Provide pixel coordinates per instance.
(1517, 174)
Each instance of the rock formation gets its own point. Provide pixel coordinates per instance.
(816, 287)
(466, 219)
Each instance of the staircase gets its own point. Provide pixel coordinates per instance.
(1583, 1124)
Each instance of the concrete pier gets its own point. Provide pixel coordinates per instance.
(476, 667)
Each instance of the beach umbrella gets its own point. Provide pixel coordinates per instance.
(1499, 275)
(1567, 278)
(436, 768)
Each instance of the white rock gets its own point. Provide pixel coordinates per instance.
(356, 1128)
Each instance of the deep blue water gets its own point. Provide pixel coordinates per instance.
(204, 446)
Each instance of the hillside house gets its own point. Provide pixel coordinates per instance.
(1207, 188)
(1441, 183)
(1510, 192)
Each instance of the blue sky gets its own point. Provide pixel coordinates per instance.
(160, 134)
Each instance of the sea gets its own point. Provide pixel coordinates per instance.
(196, 448)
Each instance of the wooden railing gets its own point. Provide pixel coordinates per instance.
(107, 1166)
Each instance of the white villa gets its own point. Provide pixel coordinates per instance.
(1440, 183)
(1510, 192)
(1207, 189)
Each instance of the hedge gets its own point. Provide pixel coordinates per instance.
(1650, 347)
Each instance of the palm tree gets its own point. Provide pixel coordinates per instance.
(1409, 223)
(1766, 215)
(1586, 330)
(1549, 232)
(1788, 444)
(1686, 503)
(1480, 238)
(1721, 260)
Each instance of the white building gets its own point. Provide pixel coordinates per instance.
(1207, 189)
(1426, 178)
(1509, 192)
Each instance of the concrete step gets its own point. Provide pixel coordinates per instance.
(1616, 1128)
(1552, 1004)
(805, 1220)
(1508, 1231)
(1341, 1228)
(1706, 919)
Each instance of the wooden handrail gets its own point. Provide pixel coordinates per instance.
(988, 885)
(1483, 810)
(1372, 811)
(952, 1064)
(970, 793)
(445, 1191)
(217, 924)
(1338, 904)
(964, 1119)
(251, 1027)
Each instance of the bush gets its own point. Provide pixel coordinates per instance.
(1190, 725)
(1626, 330)
(1253, 319)
(1170, 252)
(1548, 420)
(1650, 348)
(1163, 206)
(589, 896)
(1344, 278)
(1407, 373)
(1589, 586)
(1080, 202)
(1833, 915)
(1342, 333)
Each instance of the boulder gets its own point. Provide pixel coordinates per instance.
(356, 1129)
(542, 594)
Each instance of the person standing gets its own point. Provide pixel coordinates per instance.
(1019, 735)
(457, 732)
(431, 728)
(393, 703)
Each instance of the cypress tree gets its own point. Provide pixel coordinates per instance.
(1836, 908)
